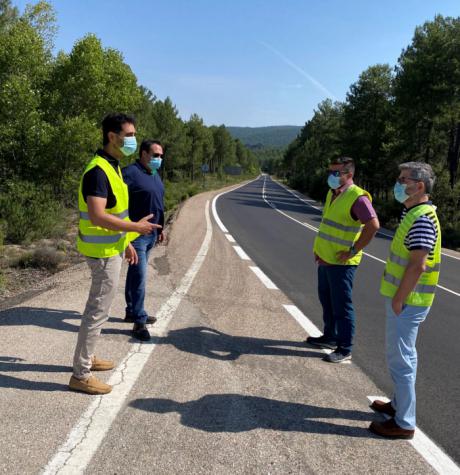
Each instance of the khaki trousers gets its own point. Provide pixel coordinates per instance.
(104, 281)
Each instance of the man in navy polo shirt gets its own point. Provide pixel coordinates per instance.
(146, 192)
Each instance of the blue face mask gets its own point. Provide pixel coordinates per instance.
(129, 146)
(399, 191)
(333, 181)
(155, 163)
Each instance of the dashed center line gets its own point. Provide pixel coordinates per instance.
(241, 253)
(263, 278)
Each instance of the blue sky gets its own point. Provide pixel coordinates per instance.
(248, 62)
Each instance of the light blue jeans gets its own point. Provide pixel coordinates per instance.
(401, 335)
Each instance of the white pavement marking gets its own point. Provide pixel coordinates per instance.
(241, 253)
(263, 278)
(83, 441)
(230, 237)
(383, 233)
(303, 321)
(314, 228)
(434, 455)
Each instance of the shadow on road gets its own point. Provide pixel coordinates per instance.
(237, 413)
(214, 344)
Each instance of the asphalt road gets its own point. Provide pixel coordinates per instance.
(282, 248)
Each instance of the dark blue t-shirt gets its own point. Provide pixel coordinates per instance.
(146, 193)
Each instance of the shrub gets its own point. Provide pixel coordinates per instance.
(42, 258)
(30, 212)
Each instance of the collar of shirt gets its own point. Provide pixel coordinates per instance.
(112, 160)
(342, 188)
(418, 204)
(143, 169)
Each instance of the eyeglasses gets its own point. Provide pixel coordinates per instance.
(336, 172)
(403, 179)
(157, 155)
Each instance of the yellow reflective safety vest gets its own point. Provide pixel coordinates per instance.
(338, 231)
(423, 294)
(95, 241)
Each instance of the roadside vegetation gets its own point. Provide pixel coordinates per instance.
(409, 112)
(51, 106)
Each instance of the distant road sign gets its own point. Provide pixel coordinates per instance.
(205, 168)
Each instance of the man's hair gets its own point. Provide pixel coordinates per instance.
(347, 162)
(114, 123)
(146, 144)
(420, 171)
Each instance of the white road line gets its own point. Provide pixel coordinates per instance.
(314, 228)
(241, 253)
(303, 321)
(263, 278)
(83, 441)
(230, 237)
(433, 454)
(383, 233)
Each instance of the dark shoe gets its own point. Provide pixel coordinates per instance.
(130, 319)
(140, 332)
(391, 430)
(321, 342)
(337, 356)
(383, 407)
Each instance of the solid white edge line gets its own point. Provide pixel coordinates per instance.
(263, 278)
(214, 201)
(230, 238)
(383, 233)
(314, 228)
(241, 253)
(433, 454)
(85, 438)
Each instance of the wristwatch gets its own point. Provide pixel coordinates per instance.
(353, 251)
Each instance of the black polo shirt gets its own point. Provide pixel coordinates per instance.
(96, 183)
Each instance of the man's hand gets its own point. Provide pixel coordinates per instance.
(143, 226)
(397, 306)
(131, 255)
(161, 238)
(343, 256)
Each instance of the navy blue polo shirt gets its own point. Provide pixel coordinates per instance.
(146, 193)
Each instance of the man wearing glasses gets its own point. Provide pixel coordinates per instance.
(146, 193)
(348, 224)
(408, 285)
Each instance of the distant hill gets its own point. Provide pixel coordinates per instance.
(261, 137)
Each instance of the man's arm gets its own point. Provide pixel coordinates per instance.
(412, 274)
(98, 216)
(368, 232)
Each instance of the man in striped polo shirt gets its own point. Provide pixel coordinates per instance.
(408, 285)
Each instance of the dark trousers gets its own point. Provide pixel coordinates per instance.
(335, 285)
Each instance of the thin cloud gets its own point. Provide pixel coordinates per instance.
(304, 73)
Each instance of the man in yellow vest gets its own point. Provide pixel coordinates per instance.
(348, 224)
(408, 285)
(104, 236)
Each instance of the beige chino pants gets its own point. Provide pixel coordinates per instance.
(104, 281)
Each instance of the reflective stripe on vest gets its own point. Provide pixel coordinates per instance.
(403, 262)
(338, 230)
(108, 239)
(419, 288)
(122, 215)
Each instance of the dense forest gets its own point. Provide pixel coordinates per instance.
(410, 112)
(276, 136)
(51, 106)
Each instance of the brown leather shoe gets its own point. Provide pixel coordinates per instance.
(101, 365)
(90, 386)
(391, 430)
(383, 407)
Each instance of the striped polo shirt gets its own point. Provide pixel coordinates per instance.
(423, 233)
